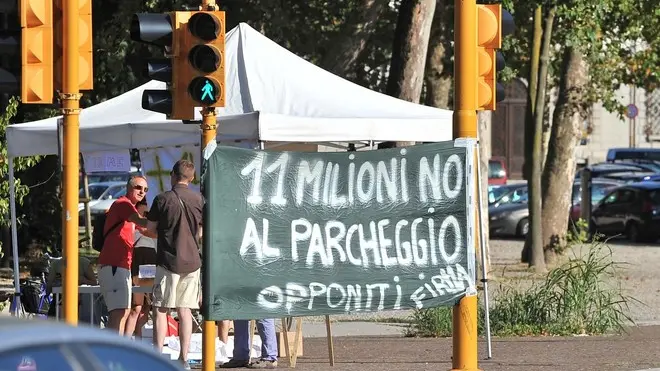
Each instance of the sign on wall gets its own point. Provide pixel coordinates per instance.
(302, 234)
(103, 161)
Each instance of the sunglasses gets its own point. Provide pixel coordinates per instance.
(141, 188)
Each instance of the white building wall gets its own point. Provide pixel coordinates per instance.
(610, 131)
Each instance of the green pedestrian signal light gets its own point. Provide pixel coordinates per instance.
(204, 90)
(202, 54)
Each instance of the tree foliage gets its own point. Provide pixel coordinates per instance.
(20, 164)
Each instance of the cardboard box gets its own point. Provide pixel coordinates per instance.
(281, 350)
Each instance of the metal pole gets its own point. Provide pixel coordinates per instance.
(70, 98)
(14, 238)
(484, 257)
(209, 131)
(464, 319)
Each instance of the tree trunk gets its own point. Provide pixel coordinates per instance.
(570, 112)
(437, 76)
(529, 123)
(346, 49)
(485, 119)
(535, 202)
(411, 42)
(531, 90)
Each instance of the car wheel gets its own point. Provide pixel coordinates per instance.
(633, 233)
(523, 227)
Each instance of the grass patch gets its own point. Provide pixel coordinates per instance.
(581, 296)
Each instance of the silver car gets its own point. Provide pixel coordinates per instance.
(43, 345)
(511, 219)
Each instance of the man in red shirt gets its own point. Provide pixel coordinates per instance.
(117, 252)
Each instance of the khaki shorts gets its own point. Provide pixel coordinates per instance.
(116, 287)
(172, 290)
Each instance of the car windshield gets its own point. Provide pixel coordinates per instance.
(497, 192)
(495, 170)
(598, 192)
(121, 191)
(95, 191)
(515, 196)
(112, 192)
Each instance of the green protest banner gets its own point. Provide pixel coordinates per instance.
(306, 234)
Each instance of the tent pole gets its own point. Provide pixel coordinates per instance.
(14, 238)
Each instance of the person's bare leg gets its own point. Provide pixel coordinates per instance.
(142, 320)
(133, 317)
(117, 320)
(223, 331)
(161, 325)
(185, 331)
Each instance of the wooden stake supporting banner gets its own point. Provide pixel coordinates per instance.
(331, 347)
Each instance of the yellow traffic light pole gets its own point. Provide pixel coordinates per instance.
(464, 319)
(70, 97)
(209, 131)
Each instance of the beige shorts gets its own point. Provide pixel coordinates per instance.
(172, 290)
(116, 288)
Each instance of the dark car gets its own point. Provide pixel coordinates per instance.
(632, 210)
(602, 170)
(628, 177)
(599, 188)
(649, 166)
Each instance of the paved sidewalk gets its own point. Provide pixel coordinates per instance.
(638, 350)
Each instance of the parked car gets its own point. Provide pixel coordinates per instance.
(633, 154)
(650, 178)
(497, 174)
(99, 191)
(101, 206)
(599, 188)
(36, 344)
(510, 218)
(628, 177)
(632, 210)
(642, 165)
(603, 169)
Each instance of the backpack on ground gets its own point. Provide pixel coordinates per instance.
(98, 237)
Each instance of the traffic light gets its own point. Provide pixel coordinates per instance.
(163, 31)
(36, 51)
(493, 24)
(85, 60)
(10, 61)
(201, 67)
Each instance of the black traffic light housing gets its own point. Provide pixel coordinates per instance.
(10, 51)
